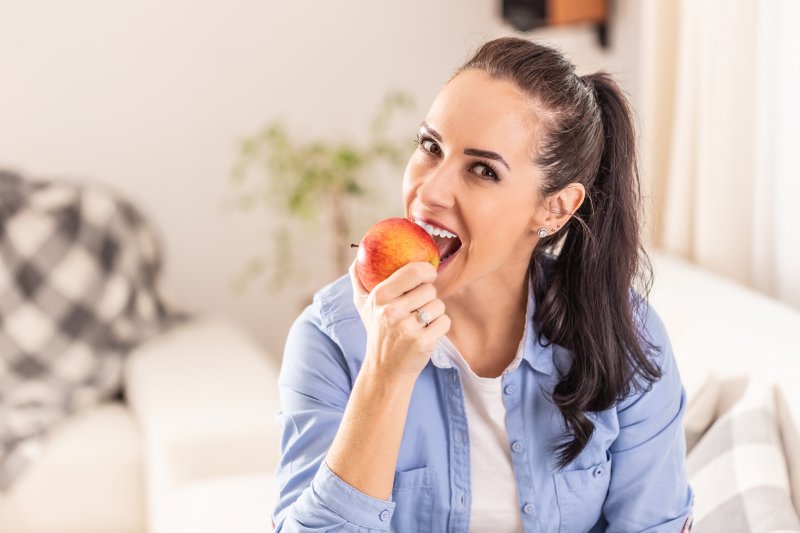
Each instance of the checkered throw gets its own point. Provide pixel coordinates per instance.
(78, 269)
(739, 473)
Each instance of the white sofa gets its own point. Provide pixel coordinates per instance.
(195, 447)
(729, 340)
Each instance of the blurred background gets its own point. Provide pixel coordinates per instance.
(155, 98)
(258, 139)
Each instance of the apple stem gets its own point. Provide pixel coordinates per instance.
(353, 245)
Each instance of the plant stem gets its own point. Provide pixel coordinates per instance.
(341, 230)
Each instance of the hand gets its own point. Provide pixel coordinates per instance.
(398, 344)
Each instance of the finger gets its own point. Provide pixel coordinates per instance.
(359, 291)
(403, 280)
(416, 298)
(436, 329)
(434, 308)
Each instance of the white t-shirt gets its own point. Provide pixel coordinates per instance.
(495, 503)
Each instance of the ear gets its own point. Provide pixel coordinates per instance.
(559, 207)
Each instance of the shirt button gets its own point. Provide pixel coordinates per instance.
(598, 471)
(384, 516)
(455, 377)
(510, 389)
(528, 509)
(461, 500)
(517, 446)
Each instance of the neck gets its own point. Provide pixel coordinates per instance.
(488, 321)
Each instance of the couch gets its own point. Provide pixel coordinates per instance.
(194, 445)
(739, 358)
(192, 448)
(118, 411)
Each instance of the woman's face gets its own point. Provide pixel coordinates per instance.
(473, 176)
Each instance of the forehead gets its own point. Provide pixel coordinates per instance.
(474, 109)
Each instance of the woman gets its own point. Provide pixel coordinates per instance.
(524, 386)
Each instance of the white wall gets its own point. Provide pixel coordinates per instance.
(153, 97)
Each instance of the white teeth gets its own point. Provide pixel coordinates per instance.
(433, 230)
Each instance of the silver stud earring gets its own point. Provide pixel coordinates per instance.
(542, 233)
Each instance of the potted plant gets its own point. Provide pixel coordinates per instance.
(310, 182)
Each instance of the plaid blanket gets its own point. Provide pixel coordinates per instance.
(739, 472)
(78, 270)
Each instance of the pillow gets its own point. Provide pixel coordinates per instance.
(701, 411)
(78, 271)
(738, 470)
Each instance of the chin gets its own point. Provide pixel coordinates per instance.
(445, 285)
(441, 289)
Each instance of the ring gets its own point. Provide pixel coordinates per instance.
(424, 317)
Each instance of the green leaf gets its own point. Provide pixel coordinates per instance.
(353, 188)
(303, 179)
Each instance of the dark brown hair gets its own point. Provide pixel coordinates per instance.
(587, 300)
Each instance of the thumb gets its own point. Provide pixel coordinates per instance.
(360, 293)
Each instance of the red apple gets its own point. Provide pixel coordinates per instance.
(390, 244)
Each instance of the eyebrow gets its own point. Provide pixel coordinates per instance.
(467, 151)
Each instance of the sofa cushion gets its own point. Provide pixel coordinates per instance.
(88, 478)
(205, 395)
(738, 470)
(234, 503)
(701, 411)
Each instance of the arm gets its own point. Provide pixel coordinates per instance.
(320, 413)
(339, 446)
(649, 490)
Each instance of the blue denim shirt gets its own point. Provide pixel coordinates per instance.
(630, 477)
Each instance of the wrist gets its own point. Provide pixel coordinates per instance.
(392, 383)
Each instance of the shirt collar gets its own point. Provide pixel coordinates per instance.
(530, 350)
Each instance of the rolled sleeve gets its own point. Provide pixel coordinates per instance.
(350, 503)
(649, 490)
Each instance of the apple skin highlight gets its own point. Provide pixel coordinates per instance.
(389, 245)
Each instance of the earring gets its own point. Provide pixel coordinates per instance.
(542, 233)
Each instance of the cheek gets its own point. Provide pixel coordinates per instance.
(410, 181)
(501, 229)
(407, 193)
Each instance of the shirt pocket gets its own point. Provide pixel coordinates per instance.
(412, 493)
(580, 495)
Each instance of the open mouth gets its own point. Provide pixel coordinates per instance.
(446, 241)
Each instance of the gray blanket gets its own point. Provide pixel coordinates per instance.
(78, 271)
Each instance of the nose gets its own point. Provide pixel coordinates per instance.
(437, 188)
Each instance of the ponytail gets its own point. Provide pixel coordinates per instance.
(587, 300)
(584, 275)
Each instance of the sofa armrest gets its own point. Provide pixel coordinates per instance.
(205, 397)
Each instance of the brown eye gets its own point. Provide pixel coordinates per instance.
(488, 172)
(429, 145)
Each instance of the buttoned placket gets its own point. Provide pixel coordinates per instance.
(518, 445)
